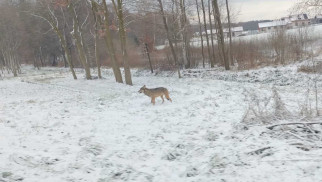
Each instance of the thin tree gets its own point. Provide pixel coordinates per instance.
(168, 36)
(205, 27)
(211, 35)
(176, 32)
(201, 36)
(110, 46)
(147, 51)
(230, 49)
(184, 32)
(97, 22)
(218, 37)
(77, 35)
(118, 7)
(221, 40)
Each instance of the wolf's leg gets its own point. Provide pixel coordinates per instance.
(162, 99)
(153, 100)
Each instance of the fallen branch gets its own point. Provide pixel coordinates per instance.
(284, 124)
(299, 137)
(259, 151)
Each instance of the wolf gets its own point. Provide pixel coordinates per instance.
(156, 92)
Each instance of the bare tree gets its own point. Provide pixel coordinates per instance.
(184, 32)
(230, 49)
(168, 36)
(79, 40)
(221, 40)
(201, 36)
(52, 20)
(118, 7)
(147, 51)
(313, 6)
(205, 27)
(110, 46)
(97, 26)
(279, 43)
(10, 40)
(212, 60)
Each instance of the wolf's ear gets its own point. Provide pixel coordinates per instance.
(143, 86)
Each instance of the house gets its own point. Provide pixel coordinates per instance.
(317, 19)
(235, 32)
(298, 20)
(289, 22)
(274, 25)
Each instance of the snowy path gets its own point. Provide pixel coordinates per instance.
(53, 128)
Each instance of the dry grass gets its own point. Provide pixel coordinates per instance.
(307, 69)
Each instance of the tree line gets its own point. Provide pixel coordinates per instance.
(124, 33)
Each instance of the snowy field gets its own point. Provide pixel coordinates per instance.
(53, 128)
(314, 31)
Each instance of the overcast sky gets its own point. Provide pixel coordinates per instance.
(261, 9)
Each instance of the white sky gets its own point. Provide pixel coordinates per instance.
(261, 9)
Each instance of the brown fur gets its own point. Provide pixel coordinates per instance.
(156, 92)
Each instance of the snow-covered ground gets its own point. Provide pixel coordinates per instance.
(53, 128)
(314, 31)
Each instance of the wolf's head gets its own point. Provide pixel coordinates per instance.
(142, 89)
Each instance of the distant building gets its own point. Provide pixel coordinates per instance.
(235, 32)
(251, 32)
(317, 19)
(274, 25)
(298, 20)
(289, 22)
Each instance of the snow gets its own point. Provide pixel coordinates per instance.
(54, 128)
(314, 31)
(273, 23)
(283, 21)
(160, 47)
(226, 30)
(272, 76)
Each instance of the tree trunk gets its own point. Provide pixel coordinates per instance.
(67, 53)
(201, 37)
(64, 57)
(119, 11)
(230, 50)
(77, 35)
(54, 60)
(14, 65)
(168, 36)
(110, 46)
(97, 21)
(221, 41)
(148, 53)
(211, 35)
(64, 32)
(218, 38)
(205, 27)
(177, 36)
(184, 35)
(97, 57)
(40, 57)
